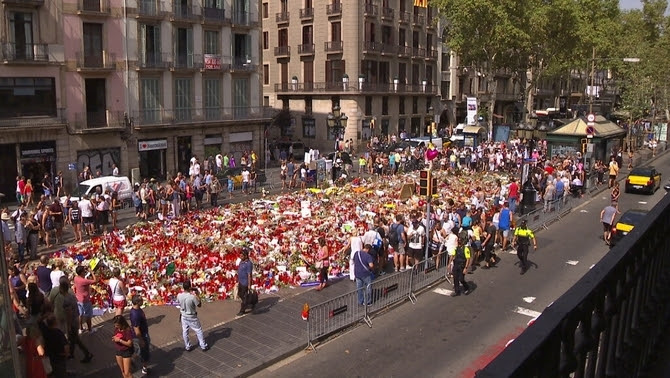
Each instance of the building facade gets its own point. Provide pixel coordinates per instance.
(141, 84)
(376, 60)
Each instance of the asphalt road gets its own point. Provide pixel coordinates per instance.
(441, 336)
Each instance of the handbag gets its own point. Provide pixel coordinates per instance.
(46, 365)
(319, 264)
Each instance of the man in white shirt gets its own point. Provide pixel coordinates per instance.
(416, 234)
(86, 210)
(245, 180)
(303, 176)
(219, 162)
(115, 170)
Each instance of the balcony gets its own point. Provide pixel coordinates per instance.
(333, 46)
(184, 13)
(186, 61)
(150, 10)
(213, 15)
(404, 17)
(243, 64)
(283, 51)
(431, 54)
(387, 14)
(370, 10)
(371, 47)
(153, 61)
(404, 51)
(314, 87)
(24, 3)
(243, 19)
(100, 120)
(288, 88)
(96, 61)
(306, 49)
(282, 17)
(34, 119)
(418, 20)
(306, 13)
(94, 8)
(214, 62)
(333, 10)
(155, 117)
(25, 53)
(418, 53)
(388, 49)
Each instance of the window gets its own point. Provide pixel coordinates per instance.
(150, 45)
(415, 74)
(308, 105)
(266, 40)
(92, 39)
(266, 74)
(183, 46)
(402, 73)
(212, 42)
(385, 126)
(385, 105)
(150, 103)
(308, 127)
(27, 96)
(335, 31)
(182, 99)
(334, 71)
(401, 105)
(241, 96)
(308, 74)
(429, 74)
(307, 33)
(401, 124)
(368, 105)
(370, 32)
(415, 127)
(21, 30)
(384, 72)
(387, 35)
(242, 46)
(429, 42)
(96, 107)
(282, 37)
(266, 100)
(265, 10)
(401, 37)
(415, 105)
(212, 94)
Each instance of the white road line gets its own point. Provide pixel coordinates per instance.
(527, 312)
(442, 291)
(512, 251)
(591, 267)
(572, 262)
(642, 202)
(528, 299)
(583, 211)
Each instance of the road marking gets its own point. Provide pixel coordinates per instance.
(442, 291)
(583, 211)
(528, 299)
(591, 267)
(572, 262)
(642, 202)
(527, 312)
(512, 251)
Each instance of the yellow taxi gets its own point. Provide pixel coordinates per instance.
(626, 224)
(643, 179)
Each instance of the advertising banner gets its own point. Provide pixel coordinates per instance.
(472, 110)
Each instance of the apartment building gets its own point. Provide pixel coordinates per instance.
(143, 84)
(375, 60)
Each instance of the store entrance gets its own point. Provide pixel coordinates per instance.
(8, 167)
(34, 169)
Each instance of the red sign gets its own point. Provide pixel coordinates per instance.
(212, 62)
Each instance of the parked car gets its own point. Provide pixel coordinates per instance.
(222, 176)
(625, 224)
(644, 179)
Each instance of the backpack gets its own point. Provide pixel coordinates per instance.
(394, 238)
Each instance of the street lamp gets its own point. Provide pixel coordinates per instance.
(337, 122)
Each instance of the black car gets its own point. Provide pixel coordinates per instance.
(626, 224)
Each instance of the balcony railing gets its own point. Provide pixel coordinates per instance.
(215, 62)
(306, 13)
(187, 61)
(32, 3)
(243, 64)
(418, 52)
(149, 117)
(387, 13)
(99, 120)
(94, 7)
(404, 51)
(31, 52)
(150, 9)
(404, 17)
(153, 60)
(386, 48)
(184, 13)
(370, 10)
(213, 15)
(354, 87)
(431, 54)
(33, 118)
(612, 322)
(282, 51)
(334, 9)
(333, 46)
(371, 47)
(282, 17)
(244, 19)
(306, 49)
(418, 19)
(96, 61)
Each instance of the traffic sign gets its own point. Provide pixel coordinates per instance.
(590, 130)
(591, 117)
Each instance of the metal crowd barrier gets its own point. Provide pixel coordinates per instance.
(426, 273)
(541, 219)
(391, 289)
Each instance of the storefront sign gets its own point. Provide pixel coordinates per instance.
(212, 62)
(212, 140)
(37, 151)
(241, 137)
(148, 145)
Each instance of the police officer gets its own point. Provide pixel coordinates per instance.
(522, 238)
(460, 261)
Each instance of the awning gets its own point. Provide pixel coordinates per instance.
(603, 128)
(474, 129)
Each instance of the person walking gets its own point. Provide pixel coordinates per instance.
(140, 328)
(460, 262)
(188, 314)
(123, 342)
(322, 263)
(522, 239)
(607, 219)
(244, 271)
(613, 170)
(119, 291)
(82, 289)
(363, 265)
(64, 305)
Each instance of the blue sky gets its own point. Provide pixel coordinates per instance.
(629, 4)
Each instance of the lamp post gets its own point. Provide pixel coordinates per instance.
(337, 123)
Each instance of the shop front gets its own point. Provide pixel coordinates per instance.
(575, 136)
(36, 159)
(241, 143)
(9, 171)
(101, 159)
(153, 158)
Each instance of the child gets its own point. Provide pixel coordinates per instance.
(140, 327)
(231, 184)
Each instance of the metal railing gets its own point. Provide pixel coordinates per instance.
(333, 46)
(154, 60)
(150, 8)
(25, 52)
(306, 13)
(94, 6)
(333, 9)
(148, 117)
(611, 322)
(418, 19)
(387, 13)
(370, 10)
(404, 50)
(101, 60)
(282, 50)
(99, 120)
(187, 61)
(282, 17)
(214, 14)
(306, 49)
(404, 17)
(244, 19)
(182, 12)
(34, 118)
(355, 87)
(24, 2)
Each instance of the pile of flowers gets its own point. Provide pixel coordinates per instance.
(205, 247)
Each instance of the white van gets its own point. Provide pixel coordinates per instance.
(119, 184)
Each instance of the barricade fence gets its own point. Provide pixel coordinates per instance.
(547, 213)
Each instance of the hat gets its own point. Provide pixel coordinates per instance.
(5, 217)
(152, 180)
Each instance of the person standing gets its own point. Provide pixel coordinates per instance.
(55, 345)
(58, 185)
(47, 186)
(323, 263)
(522, 238)
(188, 313)
(82, 289)
(488, 244)
(416, 234)
(119, 291)
(363, 265)
(460, 262)
(138, 320)
(43, 274)
(244, 271)
(607, 219)
(123, 342)
(504, 225)
(513, 194)
(65, 308)
(613, 170)
(21, 236)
